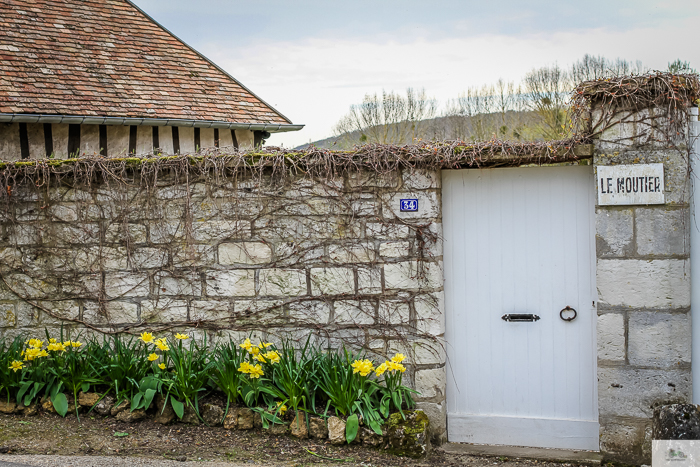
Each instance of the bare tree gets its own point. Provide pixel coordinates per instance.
(591, 67)
(391, 119)
(546, 94)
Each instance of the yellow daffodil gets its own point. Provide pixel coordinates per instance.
(245, 367)
(264, 345)
(254, 350)
(76, 344)
(255, 371)
(272, 356)
(398, 358)
(146, 337)
(162, 344)
(181, 336)
(153, 357)
(67, 343)
(31, 354)
(36, 343)
(52, 341)
(363, 367)
(16, 365)
(282, 407)
(381, 369)
(43, 353)
(259, 357)
(246, 345)
(161, 366)
(393, 366)
(56, 347)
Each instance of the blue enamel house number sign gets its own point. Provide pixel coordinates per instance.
(409, 205)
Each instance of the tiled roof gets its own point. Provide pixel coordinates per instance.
(107, 58)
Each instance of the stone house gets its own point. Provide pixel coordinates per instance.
(84, 77)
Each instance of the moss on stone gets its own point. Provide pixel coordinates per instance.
(407, 437)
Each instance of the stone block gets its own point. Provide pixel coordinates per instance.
(282, 282)
(31, 287)
(659, 339)
(332, 281)
(614, 232)
(394, 249)
(83, 285)
(428, 352)
(193, 255)
(632, 392)
(368, 178)
(24, 234)
(244, 253)
(60, 311)
(676, 421)
(412, 275)
(431, 384)
(207, 310)
(126, 284)
(216, 230)
(148, 258)
(115, 312)
(662, 232)
(364, 208)
(394, 312)
(639, 284)
(311, 312)
(369, 281)
(428, 205)
(8, 314)
(626, 440)
(262, 312)
(437, 414)
(64, 212)
(68, 234)
(10, 258)
(166, 232)
(129, 233)
(178, 283)
(420, 179)
(237, 283)
(430, 313)
(611, 337)
(353, 312)
(163, 311)
(382, 231)
(353, 254)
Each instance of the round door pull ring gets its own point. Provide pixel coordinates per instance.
(568, 308)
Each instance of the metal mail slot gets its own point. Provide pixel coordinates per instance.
(520, 317)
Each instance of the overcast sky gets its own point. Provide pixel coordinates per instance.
(312, 59)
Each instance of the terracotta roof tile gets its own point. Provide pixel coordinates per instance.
(106, 58)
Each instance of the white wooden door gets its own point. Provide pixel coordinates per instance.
(521, 241)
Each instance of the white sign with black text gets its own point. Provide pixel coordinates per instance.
(630, 184)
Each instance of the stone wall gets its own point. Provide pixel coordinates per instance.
(226, 256)
(643, 280)
(44, 140)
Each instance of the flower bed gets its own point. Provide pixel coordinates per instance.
(173, 374)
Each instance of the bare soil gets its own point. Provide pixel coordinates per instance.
(49, 434)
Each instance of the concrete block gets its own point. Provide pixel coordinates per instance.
(332, 281)
(611, 337)
(237, 283)
(412, 275)
(631, 392)
(126, 284)
(282, 282)
(659, 339)
(431, 384)
(353, 312)
(430, 313)
(163, 311)
(394, 249)
(244, 253)
(639, 284)
(662, 232)
(614, 232)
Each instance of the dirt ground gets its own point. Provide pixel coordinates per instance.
(49, 434)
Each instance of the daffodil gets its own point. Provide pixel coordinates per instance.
(363, 367)
(52, 341)
(245, 367)
(56, 347)
(272, 356)
(153, 357)
(76, 344)
(16, 365)
(259, 357)
(246, 345)
(32, 353)
(146, 337)
(255, 371)
(393, 366)
(181, 336)
(282, 407)
(43, 353)
(398, 358)
(161, 366)
(36, 343)
(162, 344)
(381, 369)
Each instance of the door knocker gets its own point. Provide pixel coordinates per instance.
(568, 308)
